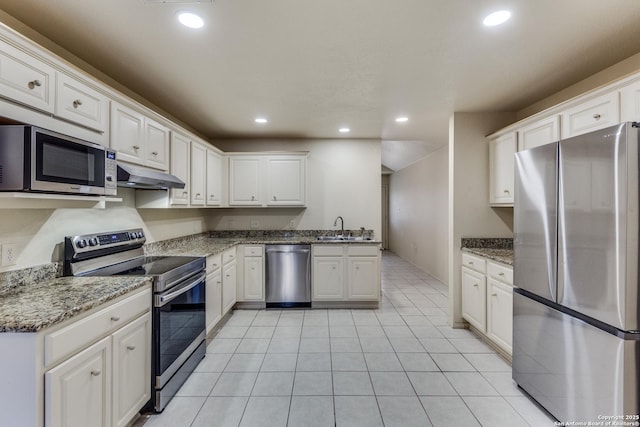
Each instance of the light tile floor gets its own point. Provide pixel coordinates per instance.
(400, 365)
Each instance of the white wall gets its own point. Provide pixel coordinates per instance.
(469, 212)
(39, 233)
(343, 180)
(418, 214)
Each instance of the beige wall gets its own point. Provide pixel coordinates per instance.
(343, 179)
(39, 233)
(418, 214)
(469, 211)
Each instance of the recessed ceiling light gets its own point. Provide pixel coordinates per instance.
(344, 130)
(402, 119)
(190, 19)
(497, 18)
(261, 120)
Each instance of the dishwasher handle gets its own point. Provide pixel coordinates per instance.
(293, 251)
(288, 249)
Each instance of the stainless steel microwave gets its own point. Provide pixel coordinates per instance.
(40, 160)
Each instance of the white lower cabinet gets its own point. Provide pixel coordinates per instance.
(228, 280)
(213, 304)
(487, 299)
(78, 391)
(346, 273)
(250, 279)
(108, 382)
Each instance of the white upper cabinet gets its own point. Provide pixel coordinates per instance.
(594, 114)
(214, 179)
(198, 173)
(245, 181)
(25, 79)
(138, 139)
(180, 167)
(81, 104)
(501, 157)
(286, 180)
(630, 103)
(539, 133)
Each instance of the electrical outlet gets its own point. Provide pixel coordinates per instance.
(9, 254)
(292, 224)
(254, 223)
(232, 223)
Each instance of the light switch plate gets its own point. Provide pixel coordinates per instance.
(254, 223)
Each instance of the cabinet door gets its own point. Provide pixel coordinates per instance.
(630, 102)
(253, 280)
(180, 168)
(597, 113)
(78, 391)
(500, 314)
(214, 178)
(362, 278)
(156, 145)
(81, 104)
(286, 180)
(501, 165)
(26, 80)
(228, 287)
(127, 133)
(198, 173)
(328, 278)
(542, 132)
(131, 369)
(474, 301)
(245, 177)
(213, 311)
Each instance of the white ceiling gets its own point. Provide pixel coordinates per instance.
(311, 67)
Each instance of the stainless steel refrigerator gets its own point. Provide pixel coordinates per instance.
(576, 314)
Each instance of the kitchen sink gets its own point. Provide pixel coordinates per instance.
(342, 238)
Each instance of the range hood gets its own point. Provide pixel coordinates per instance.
(147, 179)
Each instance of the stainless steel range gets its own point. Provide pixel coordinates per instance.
(178, 300)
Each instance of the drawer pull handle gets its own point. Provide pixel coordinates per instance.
(136, 147)
(115, 318)
(494, 295)
(34, 83)
(470, 262)
(95, 372)
(500, 274)
(597, 116)
(131, 347)
(77, 103)
(475, 285)
(211, 196)
(506, 191)
(218, 282)
(155, 153)
(184, 193)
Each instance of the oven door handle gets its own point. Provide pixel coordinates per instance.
(162, 300)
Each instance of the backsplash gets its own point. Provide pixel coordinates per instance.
(233, 234)
(486, 243)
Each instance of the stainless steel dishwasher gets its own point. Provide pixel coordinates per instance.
(288, 276)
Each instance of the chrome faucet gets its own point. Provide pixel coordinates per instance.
(335, 223)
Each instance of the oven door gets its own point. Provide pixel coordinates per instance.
(179, 326)
(65, 164)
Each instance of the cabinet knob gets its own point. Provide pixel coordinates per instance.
(334, 267)
(131, 347)
(357, 268)
(219, 281)
(228, 275)
(274, 198)
(211, 196)
(253, 198)
(155, 153)
(95, 372)
(136, 147)
(596, 116)
(77, 103)
(115, 318)
(197, 195)
(184, 193)
(34, 83)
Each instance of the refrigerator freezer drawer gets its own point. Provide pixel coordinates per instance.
(576, 371)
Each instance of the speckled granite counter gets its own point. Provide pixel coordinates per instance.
(41, 305)
(496, 249)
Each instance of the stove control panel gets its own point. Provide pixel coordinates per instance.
(92, 242)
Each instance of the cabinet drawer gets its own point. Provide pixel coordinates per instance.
(214, 262)
(72, 338)
(26, 80)
(595, 114)
(81, 104)
(253, 250)
(500, 272)
(362, 250)
(474, 262)
(328, 250)
(228, 255)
